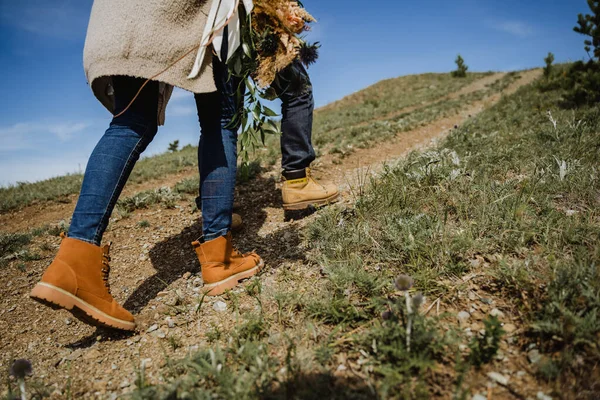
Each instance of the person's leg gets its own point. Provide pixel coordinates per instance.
(217, 154)
(297, 106)
(77, 278)
(114, 157)
(222, 266)
(299, 189)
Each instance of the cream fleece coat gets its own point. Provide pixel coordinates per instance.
(141, 38)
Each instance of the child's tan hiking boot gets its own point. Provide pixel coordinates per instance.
(300, 191)
(223, 267)
(77, 280)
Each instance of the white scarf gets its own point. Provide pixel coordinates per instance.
(222, 13)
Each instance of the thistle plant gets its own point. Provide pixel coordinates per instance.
(404, 283)
(19, 370)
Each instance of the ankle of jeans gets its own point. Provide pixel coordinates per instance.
(207, 237)
(83, 240)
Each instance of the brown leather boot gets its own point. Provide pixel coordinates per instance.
(223, 267)
(77, 280)
(300, 190)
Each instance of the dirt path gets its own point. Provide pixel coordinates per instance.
(375, 157)
(155, 274)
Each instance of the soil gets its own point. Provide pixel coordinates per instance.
(155, 275)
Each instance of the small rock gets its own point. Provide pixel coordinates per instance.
(152, 328)
(569, 213)
(159, 333)
(197, 282)
(341, 368)
(220, 306)
(478, 396)
(187, 275)
(509, 328)
(114, 367)
(68, 321)
(500, 356)
(75, 355)
(543, 396)
(496, 313)
(472, 295)
(485, 300)
(463, 316)
(125, 383)
(498, 378)
(92, 354)
(163, 309)
(477, 315)
(534, 356)
(521, 374)
(170, 322)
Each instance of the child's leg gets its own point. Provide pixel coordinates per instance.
(114, 157)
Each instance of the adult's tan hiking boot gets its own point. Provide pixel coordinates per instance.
(223, 267)
(77, 280)
(300, 191)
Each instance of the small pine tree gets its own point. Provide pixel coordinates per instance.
(174, 146)
(461, 68)
(548, 68)
(589, 25)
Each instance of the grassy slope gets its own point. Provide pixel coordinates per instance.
(508, 189)
(377, 100)
(59, 188)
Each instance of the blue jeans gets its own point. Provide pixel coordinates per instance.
(128, 136)
(297, 106)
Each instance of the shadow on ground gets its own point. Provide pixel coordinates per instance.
(174, 256)
(305, 386)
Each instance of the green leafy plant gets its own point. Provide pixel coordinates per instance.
(485, 347)
(589, 25)
(173, 146)
(548, 68)
(256, 64)
(461, 68)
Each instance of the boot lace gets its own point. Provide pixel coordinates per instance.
(106, 268)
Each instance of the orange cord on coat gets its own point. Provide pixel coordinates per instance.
(152, 78)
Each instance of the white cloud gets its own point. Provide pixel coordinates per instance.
(65, 131)
(25, 135)
(15, 137)
(65, 19)
(516, 28)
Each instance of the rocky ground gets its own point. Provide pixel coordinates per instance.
(155, 274)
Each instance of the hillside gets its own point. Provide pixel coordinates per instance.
(482, 189)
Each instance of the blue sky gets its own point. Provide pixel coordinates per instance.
(50, 121)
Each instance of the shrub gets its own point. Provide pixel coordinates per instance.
(548, 68)
(461, 68)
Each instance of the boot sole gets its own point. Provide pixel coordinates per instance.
(303, 205)
(218, 288)
(57, 298)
